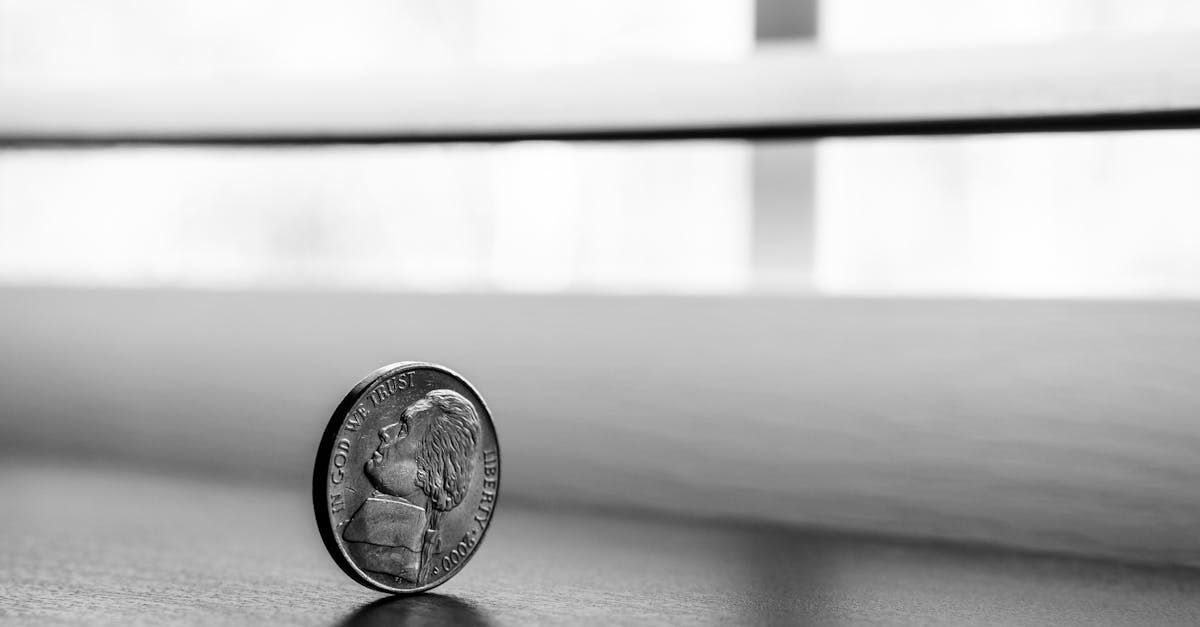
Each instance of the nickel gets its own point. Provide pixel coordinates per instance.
(406, 478)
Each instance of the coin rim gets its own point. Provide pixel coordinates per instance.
(320, 491)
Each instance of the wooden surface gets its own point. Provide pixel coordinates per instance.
(90, 545)
(1064, 426)
(1143, 82)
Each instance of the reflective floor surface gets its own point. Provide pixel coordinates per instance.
(96, 545)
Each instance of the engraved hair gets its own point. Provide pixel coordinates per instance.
(448, 448)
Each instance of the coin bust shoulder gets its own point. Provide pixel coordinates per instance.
(407, 477)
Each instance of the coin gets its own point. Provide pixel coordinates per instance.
(406, 477)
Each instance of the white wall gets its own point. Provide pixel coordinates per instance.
(1038, 215)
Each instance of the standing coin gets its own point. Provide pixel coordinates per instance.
(406, 477)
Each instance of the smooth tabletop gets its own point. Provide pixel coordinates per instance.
(94, 545)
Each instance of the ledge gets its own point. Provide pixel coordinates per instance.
(1048, 425)
(1126, 83)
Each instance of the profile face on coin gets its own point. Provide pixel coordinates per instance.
(406, 478)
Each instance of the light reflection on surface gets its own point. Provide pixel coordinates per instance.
(419, 610)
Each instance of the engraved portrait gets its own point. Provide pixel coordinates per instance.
(420, 470)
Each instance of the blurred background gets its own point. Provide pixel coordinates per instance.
(989, 338)
(1064, 215)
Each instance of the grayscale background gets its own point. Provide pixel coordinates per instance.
(982, 340)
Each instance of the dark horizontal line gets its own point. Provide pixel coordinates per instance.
(1121, 121)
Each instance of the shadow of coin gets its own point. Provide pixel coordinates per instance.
(417, 611)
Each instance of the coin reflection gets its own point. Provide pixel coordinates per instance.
(417, 611)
